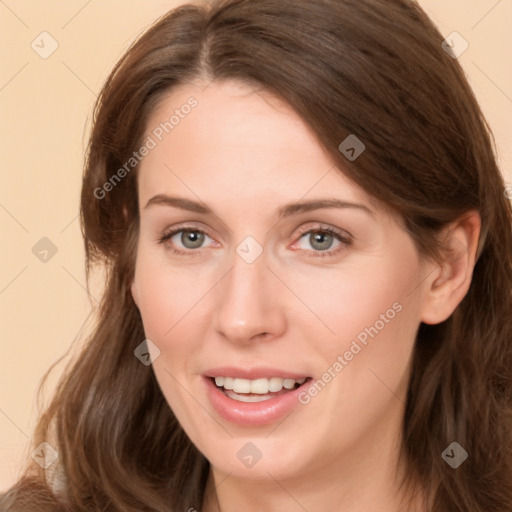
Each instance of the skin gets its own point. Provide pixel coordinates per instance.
(245, 154)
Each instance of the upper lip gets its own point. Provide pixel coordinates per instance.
(258, 372)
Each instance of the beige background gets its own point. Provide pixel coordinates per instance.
(44, 106)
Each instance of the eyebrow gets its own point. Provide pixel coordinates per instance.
(285, 211)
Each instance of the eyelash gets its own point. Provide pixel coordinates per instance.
(345, 241)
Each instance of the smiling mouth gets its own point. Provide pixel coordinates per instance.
(257, 390)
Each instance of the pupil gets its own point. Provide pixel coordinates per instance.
(321, 240)
(192, 239)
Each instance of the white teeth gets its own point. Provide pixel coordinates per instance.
(247, 398)
(261, 386)
(228, 383)
(242, 386)
(275, 384)
(289, 383)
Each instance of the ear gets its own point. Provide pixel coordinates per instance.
(449, 282)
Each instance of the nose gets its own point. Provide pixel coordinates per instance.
(248, 303)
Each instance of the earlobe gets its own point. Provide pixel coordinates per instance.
(450, 280)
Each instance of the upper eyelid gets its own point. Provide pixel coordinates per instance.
(324, 227)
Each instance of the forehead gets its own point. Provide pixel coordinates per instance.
(229, 116)
(233, 136)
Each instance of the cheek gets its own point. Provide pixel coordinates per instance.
(174, 318)
(354, 301)
(371, 318)
(365, 360)
(168, 296)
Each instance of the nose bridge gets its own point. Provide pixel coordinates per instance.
(246, 306)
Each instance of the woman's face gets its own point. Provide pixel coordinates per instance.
(261, 264)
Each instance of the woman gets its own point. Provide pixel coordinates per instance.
(308, 295)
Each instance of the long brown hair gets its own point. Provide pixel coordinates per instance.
(373, 68)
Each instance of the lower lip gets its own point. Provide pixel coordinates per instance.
(254, 413)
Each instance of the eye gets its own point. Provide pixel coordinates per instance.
(319, 240)
(189, 239)
(322, 241)
(316, 242)
(185, 238)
